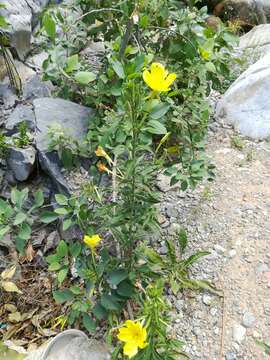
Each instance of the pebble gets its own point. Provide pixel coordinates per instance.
(230, 356)
(239, 333)
(261, 268)
(232, 253)
(207, 299)
(219, 249)
(248, 319)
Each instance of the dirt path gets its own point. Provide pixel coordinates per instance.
(231, 218)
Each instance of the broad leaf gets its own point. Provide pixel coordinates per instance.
(10, 287)
(61, 296)
(88, 323)
(155, 127)
(61, 199)
(62, 275)
(108, 302)
(85, 77)
(48, 217)
(62, 249)
(20, 218)
(49, 26)
(118, 68)
(116, 276)
(8, 273)
(159, 111)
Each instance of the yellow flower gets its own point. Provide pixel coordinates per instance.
(100, 152)
(92, 241)
(103, 168)
(134, 335)
(158, 78)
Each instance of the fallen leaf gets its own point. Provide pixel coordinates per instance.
(8, 273)
(29, 253)
(10, 287)
(10, 308)
(15, 317)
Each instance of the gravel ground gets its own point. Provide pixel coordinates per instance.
(230, 218)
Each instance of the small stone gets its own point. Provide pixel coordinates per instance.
(248, 319)
(219, 249)
(232, 253)
(261, 268)
(230, 356)
(172, 211)
(163, 250)
(207, 299)
(256, 335)
(239, 333)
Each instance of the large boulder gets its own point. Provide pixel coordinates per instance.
(246, 104)
(72, 118)
(257, 39)
(249, 12)
(22, 15)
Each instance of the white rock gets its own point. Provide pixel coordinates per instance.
(239, 333)
(246, 104)
(248, 319)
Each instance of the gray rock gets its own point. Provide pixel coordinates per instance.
(239, 333)
(261, 268)
(248, 319)
(246, 104)
(21, 162)
(22, 16)
(71, 117)
(20, 114)
(36, 88)
(256, 38)
(230, 356)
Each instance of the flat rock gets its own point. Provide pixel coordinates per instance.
(72, 118)
(246, 104)
(20, 114)
(21, 162)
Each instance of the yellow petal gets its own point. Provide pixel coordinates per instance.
(158, 71)
(125, 335)
(130, 349)
(147, 78)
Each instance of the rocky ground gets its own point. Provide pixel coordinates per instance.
(230, 218)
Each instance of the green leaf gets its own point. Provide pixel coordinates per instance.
(210, 67)
(52, 259)
(20, 218)
(62, 211)
(67, 224)
(126, 289)
(62, 275)
(39, 199)
(18, 197)
(182, 239)
(88, 323)
(61, 296)
(54, 266)
(75, 290)
(118, 68)
(194, 258)
(116, 276)
(108, 302)
(49, 26)
(264, 346)
(62, 249)
(20, 244)
(3, 23)
(61, 199)
(100, 312)
(25, 232)
(159, 111)
(75, 249)
(72, 63)
(155, 127)
(48, 217)
(4, 230)
(85, 77)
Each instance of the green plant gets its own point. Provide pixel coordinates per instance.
(237, 142)
(17, 217)
(22, 139)
(4, 145)
(264, 346)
